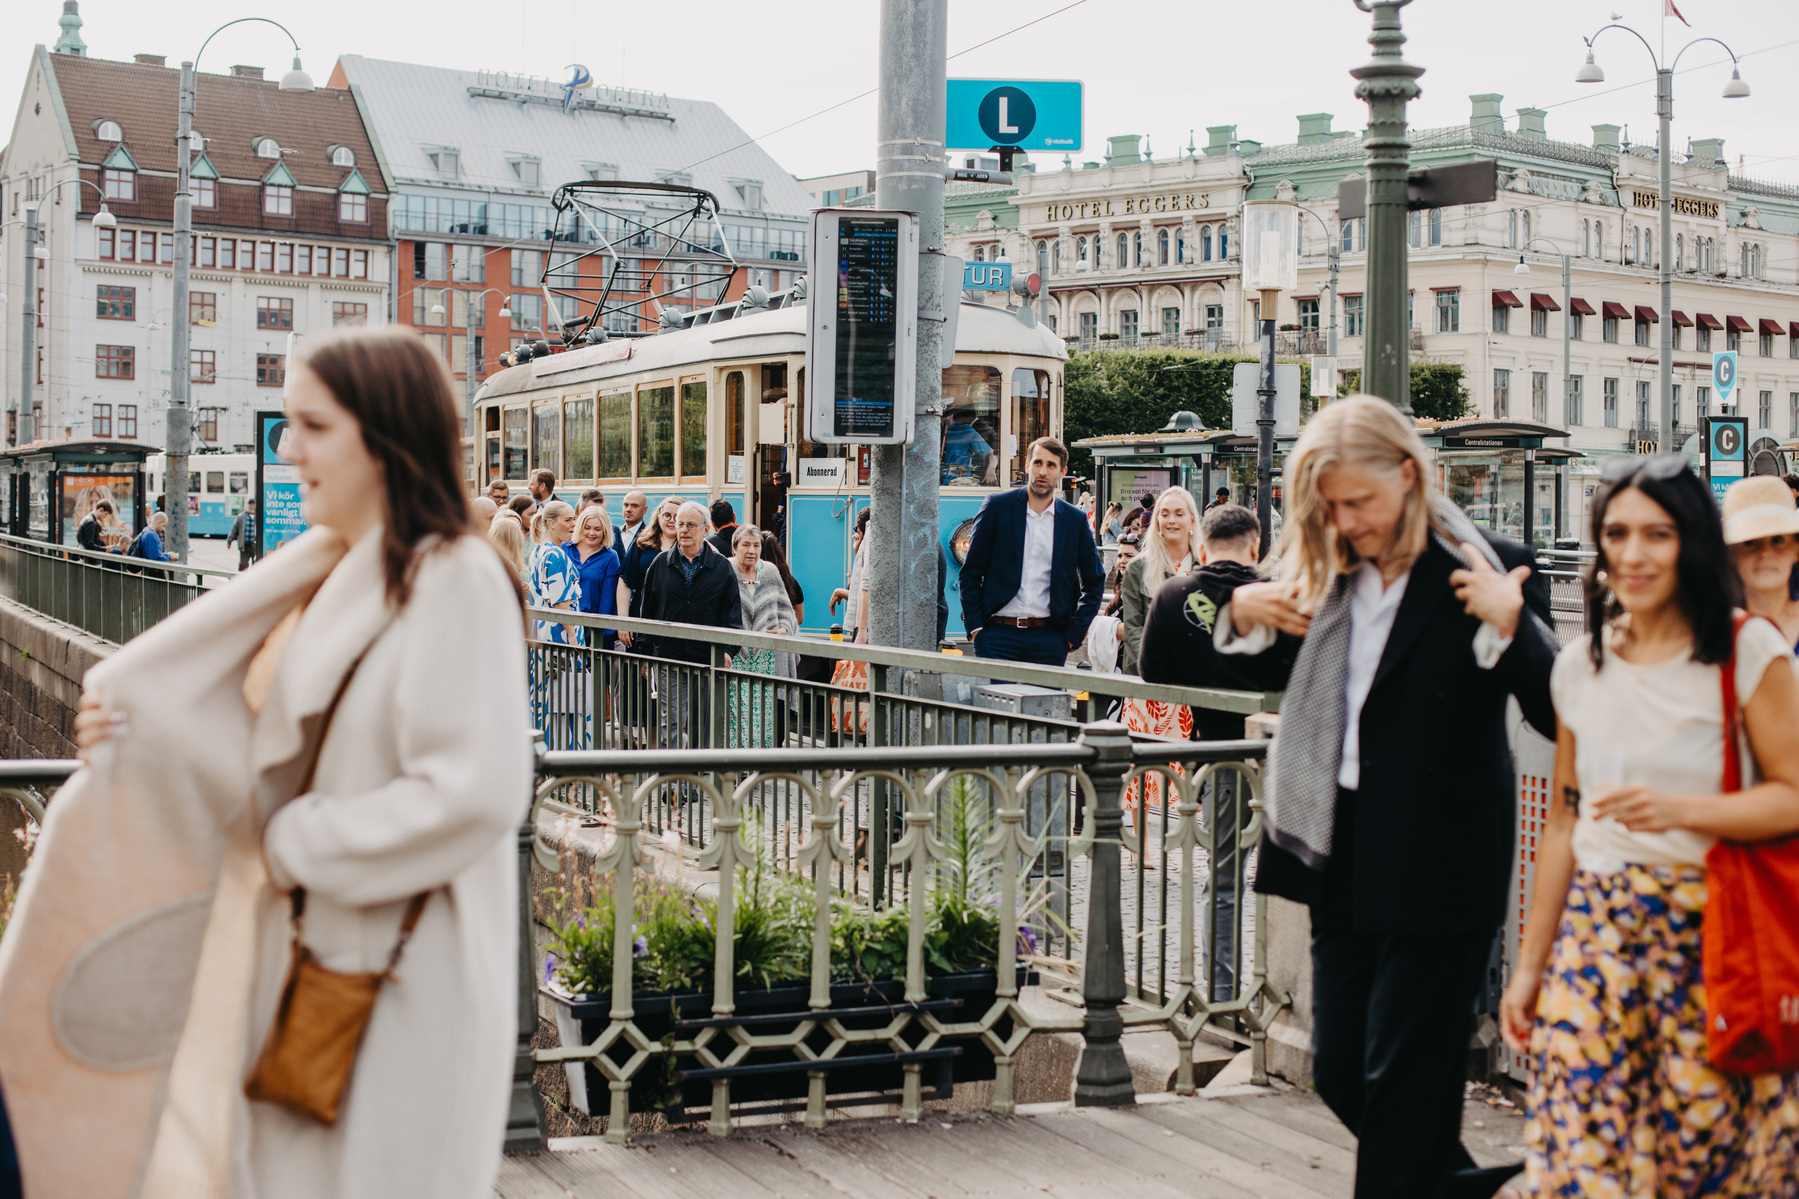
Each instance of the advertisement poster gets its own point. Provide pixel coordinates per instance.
(277, 486)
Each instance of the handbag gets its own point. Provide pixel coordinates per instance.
(311, 1048)
(854, 676)
(1750, 946)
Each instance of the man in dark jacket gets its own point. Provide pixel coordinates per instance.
(724, 520)
(90, 534)
(1177, 649)
(688, 584)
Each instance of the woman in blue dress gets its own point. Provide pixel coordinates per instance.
(553, 581)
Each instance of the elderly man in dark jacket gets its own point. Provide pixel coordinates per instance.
(688, 584)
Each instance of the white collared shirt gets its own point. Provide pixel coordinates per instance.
(1032, 599)
(1371, 612)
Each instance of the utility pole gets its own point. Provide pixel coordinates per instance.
(909, 178)
(178, 426)
(1664, 154)
(28, 363)
(1387, 82)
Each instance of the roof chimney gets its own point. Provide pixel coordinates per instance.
(1487, 117)
(70, 41)
(1122, 150)
(1530, 124)
(149, 60)
(1219, 139)
(1314, 127)
(243, 72)
(1605, 138)
(1708, 152)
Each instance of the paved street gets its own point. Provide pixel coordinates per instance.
(1278, 1144)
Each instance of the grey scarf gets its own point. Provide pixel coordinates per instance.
(1305, 757)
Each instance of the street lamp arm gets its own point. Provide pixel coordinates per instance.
(1696, 41)
(240, 21)
(1552, 245)
(54, 188)
(1635, 34)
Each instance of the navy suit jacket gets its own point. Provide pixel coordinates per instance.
(995, 563)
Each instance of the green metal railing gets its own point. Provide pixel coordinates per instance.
(107, 595)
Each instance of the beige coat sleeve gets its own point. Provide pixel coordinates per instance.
(458, 706)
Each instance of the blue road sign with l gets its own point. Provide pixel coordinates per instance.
(1724, 374)
(986, 276)
(1032, 114)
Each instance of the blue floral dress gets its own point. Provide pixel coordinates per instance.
(553, 579)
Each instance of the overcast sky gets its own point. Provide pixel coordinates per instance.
(1154, 69)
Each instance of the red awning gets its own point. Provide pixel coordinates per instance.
(1768, 326)
(1616, 310)
(1681, 319)
(1707, 320)
(1506, 299)
(1542, 303)
(1646, 315)
(1793, 329)
(1737, 323)
(1581, 306)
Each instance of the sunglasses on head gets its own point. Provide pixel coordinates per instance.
(1656, 466)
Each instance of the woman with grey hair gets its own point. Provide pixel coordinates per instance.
(762, 594)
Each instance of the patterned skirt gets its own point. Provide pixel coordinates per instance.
(1624, 1102)
(1154, 718)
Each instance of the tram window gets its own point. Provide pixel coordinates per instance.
(518, 443)
(971, 426)
(546, 436)
(774, 382)
(493, 457)
(656, 432)
(215, 482)
(734, 413)
(693, 428)
(577, 437)
(615, 435)
(240, 482)
(193, 482)
(1030, 416)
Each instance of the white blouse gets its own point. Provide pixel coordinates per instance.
(1659, 724)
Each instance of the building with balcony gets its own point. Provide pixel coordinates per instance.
(289, 238)
(1139, 251)
(476, 158)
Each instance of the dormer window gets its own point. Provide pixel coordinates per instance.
(266, 147)
(603, 172)
(444, 161)
(342, 156)
(526, 170)
(749, 192)
(203, 183)
(678, 178)
(353, 199)
(278, 192)
(108, 131)
(118, 176)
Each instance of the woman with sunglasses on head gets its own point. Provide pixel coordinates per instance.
(1761, 526)
(1607, 991)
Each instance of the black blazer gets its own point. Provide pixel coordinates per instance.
(1435, 815)
(995, 563)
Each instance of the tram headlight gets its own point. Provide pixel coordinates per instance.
(958, 541)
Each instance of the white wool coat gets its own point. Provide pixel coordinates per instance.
(147, 952)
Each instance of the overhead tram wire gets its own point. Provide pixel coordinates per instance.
(871, 91)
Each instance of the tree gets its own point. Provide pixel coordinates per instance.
(1438, 391)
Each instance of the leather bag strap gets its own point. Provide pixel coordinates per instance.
(1727, 680)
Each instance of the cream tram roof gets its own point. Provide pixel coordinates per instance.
(980, 329)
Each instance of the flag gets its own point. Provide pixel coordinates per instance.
(1668, 10)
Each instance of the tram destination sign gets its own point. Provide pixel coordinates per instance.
(862, 327)
(1031, 114)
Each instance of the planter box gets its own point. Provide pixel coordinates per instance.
(871, 1069)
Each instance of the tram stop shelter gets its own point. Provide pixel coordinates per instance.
(47, 488)
(1503, 474)
(1183, 453)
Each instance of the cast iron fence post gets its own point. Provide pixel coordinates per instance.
(524, 1117)
(1102, 1078)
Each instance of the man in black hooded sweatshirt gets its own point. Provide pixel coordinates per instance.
(1178, 649)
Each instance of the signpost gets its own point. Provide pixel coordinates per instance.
(986, 276)
(1024, 114)
(1726, 448)
(1724, 375)
(862, 333)
(278, 516)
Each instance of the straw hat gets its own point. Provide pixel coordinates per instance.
(1759, 506)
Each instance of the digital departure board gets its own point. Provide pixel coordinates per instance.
(862, 330)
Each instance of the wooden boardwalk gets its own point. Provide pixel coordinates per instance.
(1277, 1144)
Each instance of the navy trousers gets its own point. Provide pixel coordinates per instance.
(1043, 645)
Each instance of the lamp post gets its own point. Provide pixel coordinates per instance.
(1387, 82)
(179, 432)
(1333, 256)
(1736, 89)
(1270, 266)
(26, 432)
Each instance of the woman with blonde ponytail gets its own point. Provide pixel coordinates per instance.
(552, 580)
(1389, 798)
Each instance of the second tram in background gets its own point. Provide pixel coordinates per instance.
(715, 408)
(217, 486)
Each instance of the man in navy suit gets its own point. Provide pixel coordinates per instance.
(1032, 581)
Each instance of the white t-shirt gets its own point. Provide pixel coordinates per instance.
(1659, 725)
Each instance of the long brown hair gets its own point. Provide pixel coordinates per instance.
(401, 398)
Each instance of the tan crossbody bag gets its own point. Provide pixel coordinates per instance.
(306, 1060)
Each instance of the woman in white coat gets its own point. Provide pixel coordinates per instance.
(147, 955)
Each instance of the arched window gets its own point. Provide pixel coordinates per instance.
(980, 253)
(108, 131)
(1162, 247)
(1055, 256)
(266, 147)
(1043, 258)
(342, 156)
(1080, 249)
(1124, 251)
(1180, 245)
(1511, 229)
(1526, 229)
(1137, 249)
(1224, 242)
(1205, 243)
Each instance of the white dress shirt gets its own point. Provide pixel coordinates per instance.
(1372, 609)
(1032, 599)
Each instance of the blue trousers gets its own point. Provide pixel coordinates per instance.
(1043, 645)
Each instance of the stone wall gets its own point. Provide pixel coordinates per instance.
(42, 662)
